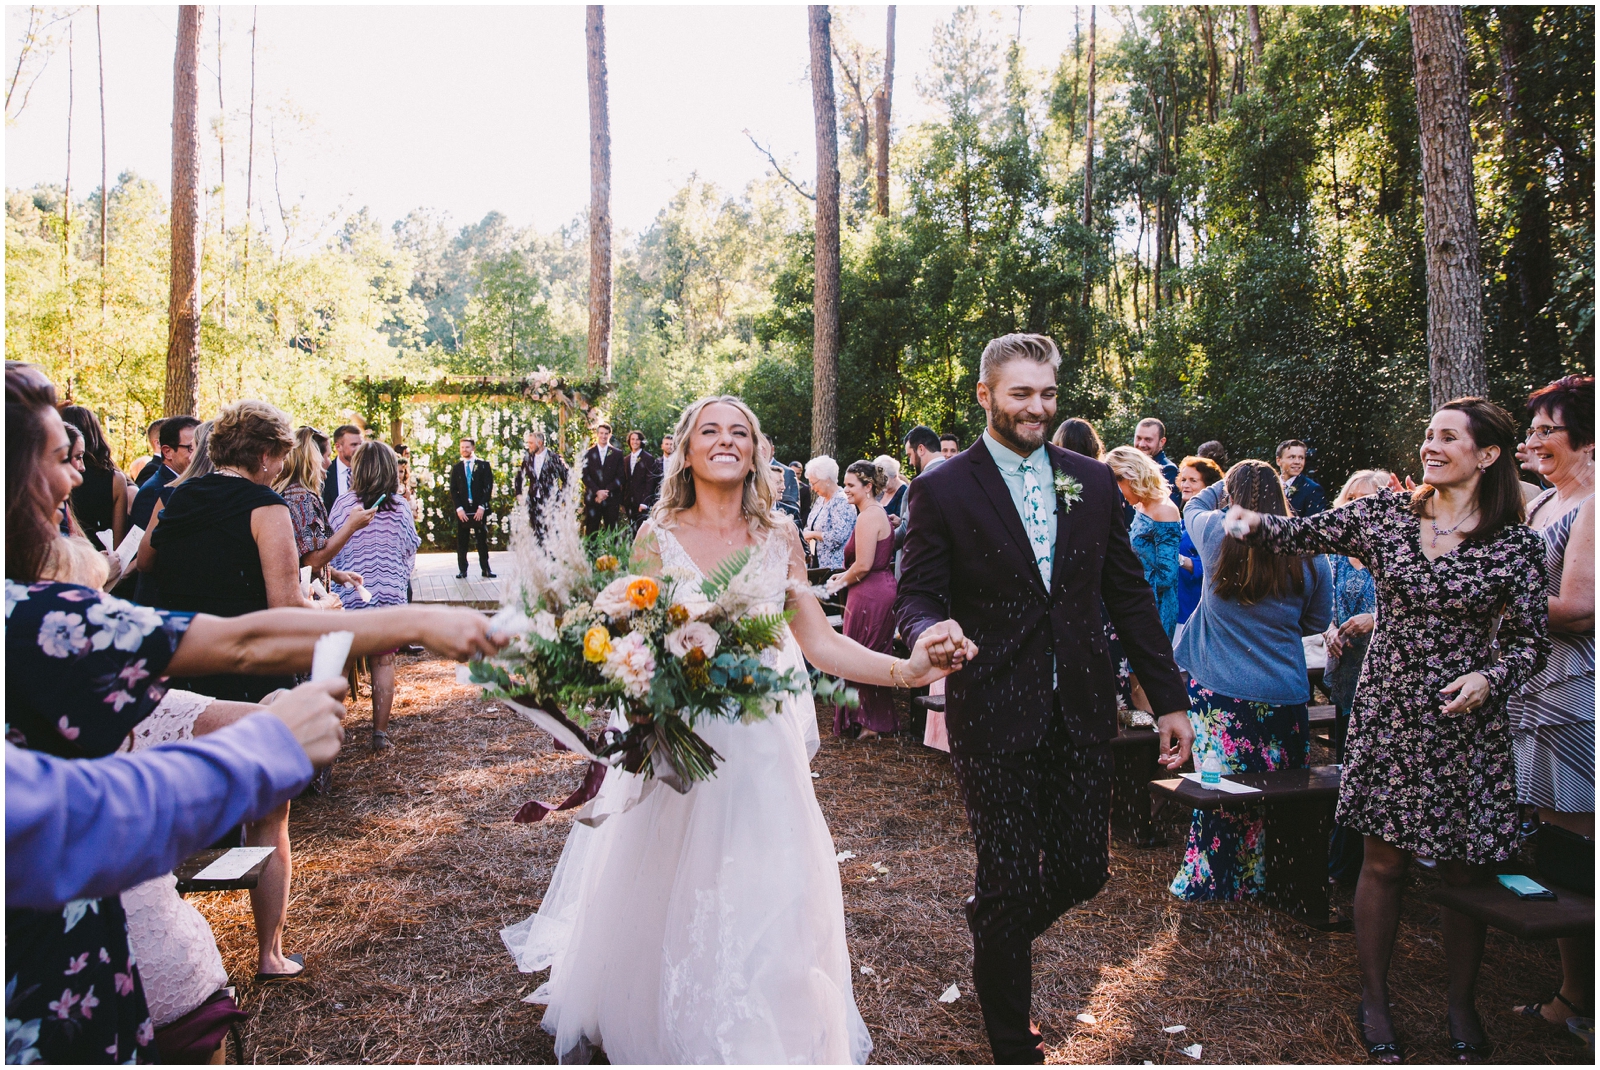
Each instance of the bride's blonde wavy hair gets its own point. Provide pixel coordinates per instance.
(677, 479)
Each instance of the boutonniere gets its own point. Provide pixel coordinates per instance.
(1068, 491)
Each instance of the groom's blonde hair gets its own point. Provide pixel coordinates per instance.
(1039, 348)
(677, 479)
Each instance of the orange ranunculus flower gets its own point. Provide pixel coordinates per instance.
(643, 592)
(596, 644)
(606, 563)
(678, 616)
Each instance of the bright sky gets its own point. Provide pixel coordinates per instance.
(467, 109)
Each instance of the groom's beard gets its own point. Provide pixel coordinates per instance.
(1009, 429)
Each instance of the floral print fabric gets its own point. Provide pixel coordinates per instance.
(1440, 786)
(82, 668)
(1224, 857)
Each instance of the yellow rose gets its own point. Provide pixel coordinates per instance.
(596, 644)
(606, 563)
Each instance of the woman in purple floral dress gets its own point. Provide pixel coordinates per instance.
(1461, 627)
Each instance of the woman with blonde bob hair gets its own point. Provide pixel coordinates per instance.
(644, 909)
(1156, 530)
(300, 486)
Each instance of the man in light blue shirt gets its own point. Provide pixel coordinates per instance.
(1032, 485)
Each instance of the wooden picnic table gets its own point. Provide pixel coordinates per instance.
(1297, 811)
(196, 862)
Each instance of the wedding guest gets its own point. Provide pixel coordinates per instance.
(832, 519)
(177, 449)
(1305, 494)
(540, 473)
(949, 445)
(471, 491)
(799, 471)
(1552, 718)
(100, 502)
(300, 487)
(641, 480)
(1246, 671)
(668, 444)
(893, 497)
(602, 482)
(1355, 608)
(69, 522)
(1428, 763)
(83, 669)
(1215, 451)
(146, 590)
(1195, 474)
(869, 606)
(383, 552)
(225, 544)
(153, 463)
(1155, 528)
(1150, 439)
(923, 450)
(347, 438)
(787, 484)
(1079, 436)
(408, 488)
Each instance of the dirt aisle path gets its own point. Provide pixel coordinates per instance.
(405, 874)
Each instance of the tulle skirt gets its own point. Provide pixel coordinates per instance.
(705, 927)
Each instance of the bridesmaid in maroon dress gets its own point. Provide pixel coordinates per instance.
(869, 608)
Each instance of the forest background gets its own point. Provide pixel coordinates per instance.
(1252, 269)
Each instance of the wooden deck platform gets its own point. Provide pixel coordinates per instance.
(434, 580)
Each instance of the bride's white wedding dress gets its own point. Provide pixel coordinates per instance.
(706, 927)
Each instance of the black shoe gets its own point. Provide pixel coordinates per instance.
(461, 575)
(488, 575)
(1389, 1052)
(1468, 1051)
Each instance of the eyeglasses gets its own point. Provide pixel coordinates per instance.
(1542, 433)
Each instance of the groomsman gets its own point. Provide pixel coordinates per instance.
(471, 488)
(603, 476)
(540, 473)
(1023, 545)
(347, 439)
(1304, 493)
(641, 481)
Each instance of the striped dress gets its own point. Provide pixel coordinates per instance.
(1552, 719)
(382, 552)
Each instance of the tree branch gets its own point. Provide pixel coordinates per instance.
(779, 168)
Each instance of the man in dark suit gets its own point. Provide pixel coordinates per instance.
(641, 480)
(1020, 543)
(1304, 493)
(471, 488)
(347, 438)
(540, 473)
(603, 475)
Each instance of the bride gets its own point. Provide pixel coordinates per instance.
(708, 927)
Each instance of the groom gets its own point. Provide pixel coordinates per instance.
(1021, 542)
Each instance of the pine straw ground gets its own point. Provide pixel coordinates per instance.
(405, 874)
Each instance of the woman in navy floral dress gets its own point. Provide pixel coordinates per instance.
(1461, 627)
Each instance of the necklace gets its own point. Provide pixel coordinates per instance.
(1447, 532)
(232, 472)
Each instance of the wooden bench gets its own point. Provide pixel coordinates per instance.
(1134, 754)
(1568, 914)
(196, 862)
(1297, 810)
(1323, 719)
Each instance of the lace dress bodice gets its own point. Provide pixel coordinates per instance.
(172, 941)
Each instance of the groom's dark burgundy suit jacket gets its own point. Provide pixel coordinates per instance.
(967, 557)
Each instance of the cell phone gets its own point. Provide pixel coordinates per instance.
(1525, 887)
(379, 501)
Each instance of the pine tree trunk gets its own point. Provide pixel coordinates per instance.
(885, 101)
(1086, 330)
(1449, 213)
(1252, 15)
(183, 306)
(599, 197)
(105, 191)
(825, 295)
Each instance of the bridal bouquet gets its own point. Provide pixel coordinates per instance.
(590, 636)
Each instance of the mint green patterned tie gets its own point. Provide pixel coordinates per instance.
(1036, 519)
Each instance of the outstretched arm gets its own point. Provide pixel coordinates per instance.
(923, 597)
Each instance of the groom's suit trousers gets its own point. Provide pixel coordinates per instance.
(1040, 822)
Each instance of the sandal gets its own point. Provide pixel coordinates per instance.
(1536, 1010)
(1468, 1051)
(1388, 1052)
(269, 978)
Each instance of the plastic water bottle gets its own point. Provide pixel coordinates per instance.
(1211, 768)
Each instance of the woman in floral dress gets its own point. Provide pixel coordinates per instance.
(1461, 627)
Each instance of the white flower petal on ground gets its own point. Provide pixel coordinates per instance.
(1192, 1051)
(867, 971)
(844, 856)
(1088, 1019)
(950, 995)
(1173, 1028)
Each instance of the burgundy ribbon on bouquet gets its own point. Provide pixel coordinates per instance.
(533, 810)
